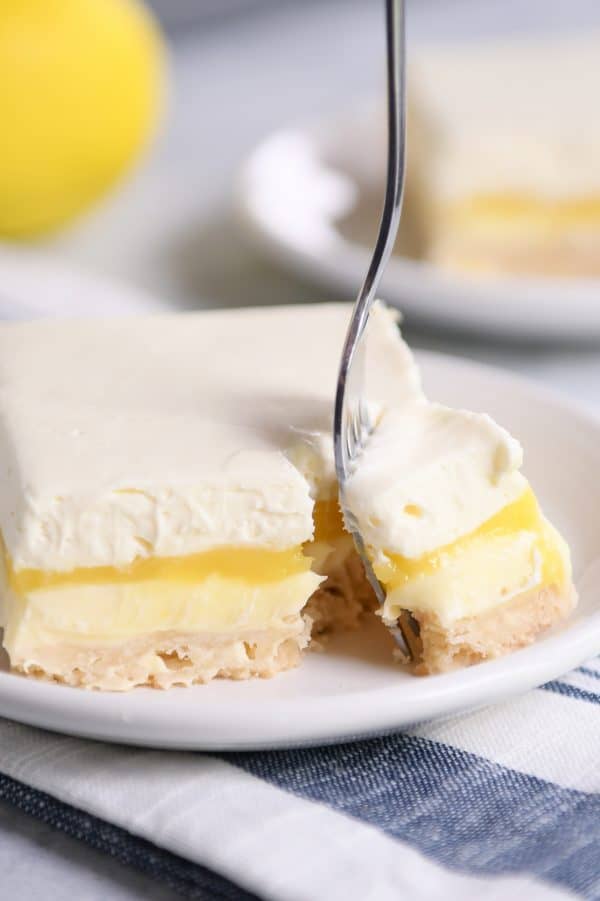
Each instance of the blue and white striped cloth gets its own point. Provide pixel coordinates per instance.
(499, 803)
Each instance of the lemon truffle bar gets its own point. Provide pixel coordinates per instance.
(159, 478)
(512, 180)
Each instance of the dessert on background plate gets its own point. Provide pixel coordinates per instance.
(169, 506)
(506, 154)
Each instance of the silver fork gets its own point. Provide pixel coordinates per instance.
(352, 425)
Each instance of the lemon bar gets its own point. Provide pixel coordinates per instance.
(168, 503)
(511, 154)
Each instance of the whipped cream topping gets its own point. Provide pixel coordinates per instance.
(163, 435)
(429, 474)
(169, 435)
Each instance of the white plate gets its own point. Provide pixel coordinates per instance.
(353, 689)
(297, 186)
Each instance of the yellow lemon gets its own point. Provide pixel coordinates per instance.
(80, 91)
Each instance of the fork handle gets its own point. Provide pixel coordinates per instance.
(390, 217)
(396, 161)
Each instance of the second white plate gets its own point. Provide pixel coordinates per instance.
(297, 187)
(353, 688)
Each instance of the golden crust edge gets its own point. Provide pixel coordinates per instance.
(498, 631)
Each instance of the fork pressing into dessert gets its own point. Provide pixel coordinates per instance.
(352, 419)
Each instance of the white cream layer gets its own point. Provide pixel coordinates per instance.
(96, 615)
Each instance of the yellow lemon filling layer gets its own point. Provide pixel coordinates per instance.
(251, 565)
(219, 590)
(513, 551)
(227, 589)
(527, 211)
(523, 515)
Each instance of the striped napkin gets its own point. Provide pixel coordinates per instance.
(499, 803)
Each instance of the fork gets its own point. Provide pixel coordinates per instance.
(352, 423)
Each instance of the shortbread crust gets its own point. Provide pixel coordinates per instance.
(498, 631)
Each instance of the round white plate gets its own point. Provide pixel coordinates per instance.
(299, 184)
(353, 689)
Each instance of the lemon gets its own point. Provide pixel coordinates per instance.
(80, 92)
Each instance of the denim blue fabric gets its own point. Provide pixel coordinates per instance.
(187, 879)
(464, 811)
(589, 672)
(572, 691)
